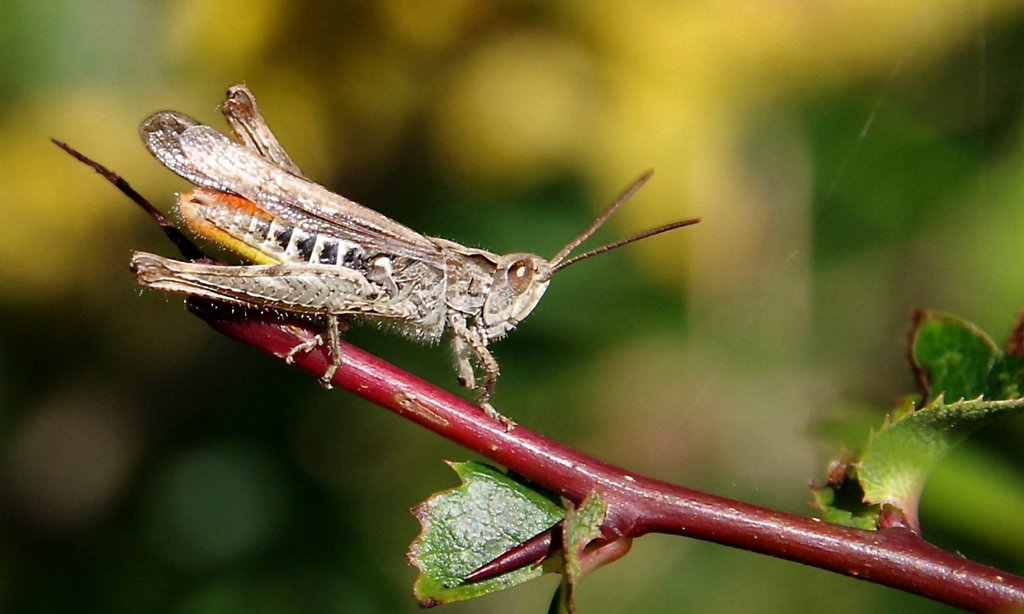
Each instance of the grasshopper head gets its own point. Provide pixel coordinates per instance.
(521, 279)
(519, 282)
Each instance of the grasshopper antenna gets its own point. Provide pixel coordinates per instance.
(627, 240)
(558, 262)
(184, 245)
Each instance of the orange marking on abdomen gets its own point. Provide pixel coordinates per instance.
(228, 220)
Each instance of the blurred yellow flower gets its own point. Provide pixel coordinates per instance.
(517, 107)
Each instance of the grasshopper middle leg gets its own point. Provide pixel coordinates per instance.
(335, 326)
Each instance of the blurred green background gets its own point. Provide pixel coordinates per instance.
(851, 160)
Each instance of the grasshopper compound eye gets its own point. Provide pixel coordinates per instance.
(520, 276)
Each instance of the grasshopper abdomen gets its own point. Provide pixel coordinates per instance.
(241, 226)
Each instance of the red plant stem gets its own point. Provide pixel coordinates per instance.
(894, 557)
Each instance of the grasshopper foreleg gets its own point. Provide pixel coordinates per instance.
(469, 345)
(460, 346)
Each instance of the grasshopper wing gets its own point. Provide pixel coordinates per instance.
(251, 129)
(210, 159)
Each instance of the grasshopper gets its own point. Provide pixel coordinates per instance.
(318, 254)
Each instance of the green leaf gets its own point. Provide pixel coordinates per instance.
(952, 357)
(472, 524)
(842, 501)
(582, 526)
(966, 381)
(901, 454)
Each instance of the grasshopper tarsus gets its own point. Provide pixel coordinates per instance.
(495, 415)
(328, 375)
(306, 346)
